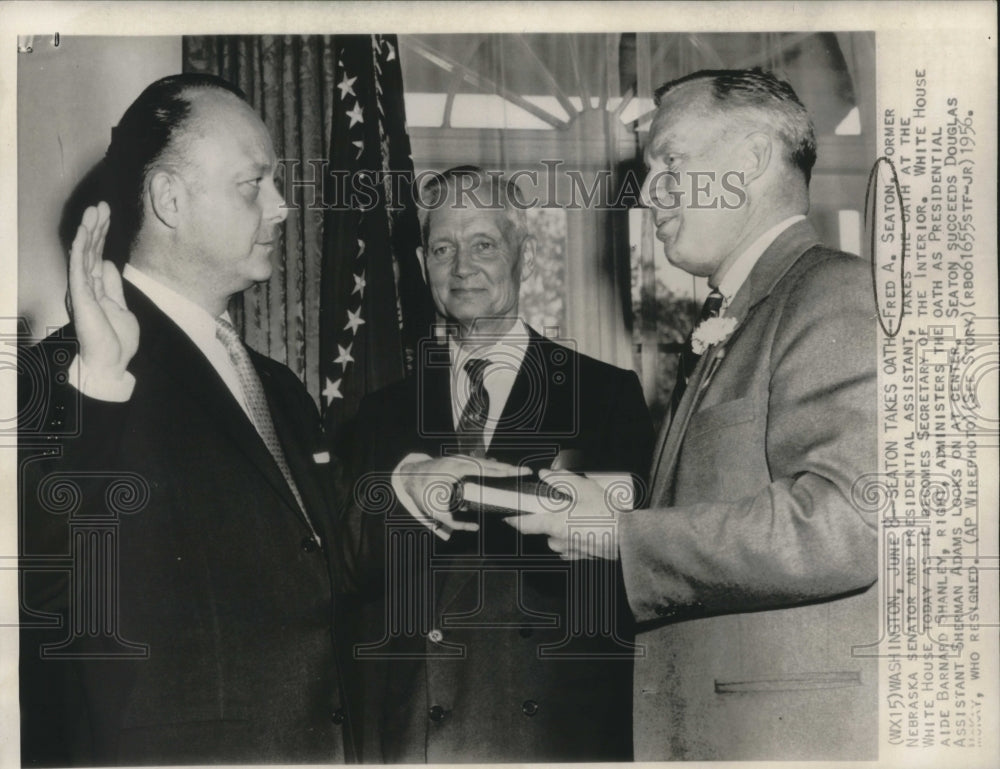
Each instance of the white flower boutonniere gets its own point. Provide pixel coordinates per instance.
(710, 332)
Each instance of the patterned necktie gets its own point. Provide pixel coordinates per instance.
(472, 423)
(253, 391)
(688, 359)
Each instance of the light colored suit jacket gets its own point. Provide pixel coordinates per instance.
(753, 564)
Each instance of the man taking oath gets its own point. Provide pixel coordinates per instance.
(198, 627)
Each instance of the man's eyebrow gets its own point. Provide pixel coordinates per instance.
(258, 167)
(658, 146)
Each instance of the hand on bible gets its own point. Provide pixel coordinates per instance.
(586, 528)
(429, 484)
(107, 331)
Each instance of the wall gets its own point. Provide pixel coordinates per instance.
(68, 97)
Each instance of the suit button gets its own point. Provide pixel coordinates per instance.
(436, 714)
(309, 545)
(338, 717)
(526, 632)
(529, 707)
(435, 636)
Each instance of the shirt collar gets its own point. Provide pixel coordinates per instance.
(509, 348)
(740, 269)
(192, 318)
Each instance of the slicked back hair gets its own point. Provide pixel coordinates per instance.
(756, 97)
(148, 135)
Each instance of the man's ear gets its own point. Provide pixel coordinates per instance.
(527, 265)
(164, 189)
(755, 155)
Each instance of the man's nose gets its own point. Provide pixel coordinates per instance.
(463, 266)
(276, 208)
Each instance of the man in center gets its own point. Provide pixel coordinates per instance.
(485, 646)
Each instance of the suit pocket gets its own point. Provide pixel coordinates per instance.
(721, 415)
(834, 679)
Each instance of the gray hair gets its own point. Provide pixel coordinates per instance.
(474, 187)
(758, 98)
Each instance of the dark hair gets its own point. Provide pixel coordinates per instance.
(490, 190)
(761, 98)
(145, 136)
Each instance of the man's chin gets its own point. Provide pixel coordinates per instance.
(682, 260)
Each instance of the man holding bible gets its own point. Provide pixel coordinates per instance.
(490, 647)
(751, 569)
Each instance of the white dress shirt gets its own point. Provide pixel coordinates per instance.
(739, 270)
(505, 355)
(192, 319)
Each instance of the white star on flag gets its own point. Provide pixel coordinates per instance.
(361, 248)
(332, 390)
(353, 321)
(345, 356)
(346, 86)
(392, 51)
(356, 115)
(359, 284)
(361, 148)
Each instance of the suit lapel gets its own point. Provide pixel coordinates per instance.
(435, 422)
(669, 450)
(776, 260)
(296, 442)
(170, 352)
(529, 406)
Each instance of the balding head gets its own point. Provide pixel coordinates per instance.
(150, 135)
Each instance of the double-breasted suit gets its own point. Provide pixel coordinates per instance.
(512, 654)
(216, 580)
(751, 569)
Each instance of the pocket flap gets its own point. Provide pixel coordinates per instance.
(834, 679)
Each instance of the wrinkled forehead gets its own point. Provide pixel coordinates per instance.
(465, 213)
(686, 116)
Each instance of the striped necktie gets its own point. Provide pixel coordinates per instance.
(260, 413)
(472, 423)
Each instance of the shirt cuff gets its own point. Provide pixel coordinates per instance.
(102, 388)
(441, 530)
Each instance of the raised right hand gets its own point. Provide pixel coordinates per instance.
(107, 331)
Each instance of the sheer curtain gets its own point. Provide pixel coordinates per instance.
(544, 107)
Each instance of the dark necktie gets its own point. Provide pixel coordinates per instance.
(473, 420)
(689, 359)
(260, 413)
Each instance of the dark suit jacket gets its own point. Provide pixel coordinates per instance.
(757, 547)
(503, 652)
(215, 585)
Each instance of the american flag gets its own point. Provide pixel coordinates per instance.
(374, 305)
